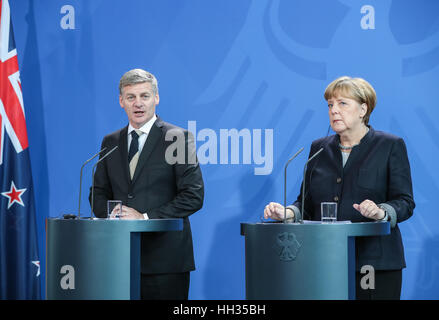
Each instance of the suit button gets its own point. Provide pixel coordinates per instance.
(338, 180)
(130, 196)
(335, 198)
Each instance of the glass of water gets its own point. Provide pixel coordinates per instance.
(114, 209)
(329, 212)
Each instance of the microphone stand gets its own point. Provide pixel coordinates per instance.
(80, 180)
(285, 183)
(93, 178)
(303, 183)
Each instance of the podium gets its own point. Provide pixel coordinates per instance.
(309, 261)
(97, 259)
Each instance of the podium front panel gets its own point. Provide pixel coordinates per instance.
(97, 259)
(303, 261)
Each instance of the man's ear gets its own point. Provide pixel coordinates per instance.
(120, 100)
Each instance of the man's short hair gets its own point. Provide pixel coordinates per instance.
(136, 76)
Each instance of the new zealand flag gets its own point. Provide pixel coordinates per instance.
(19, 262)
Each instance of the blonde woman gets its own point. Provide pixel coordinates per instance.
(367, 172)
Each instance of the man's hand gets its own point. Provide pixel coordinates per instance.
(131, 214)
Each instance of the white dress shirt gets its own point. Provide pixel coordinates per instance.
(146, 128)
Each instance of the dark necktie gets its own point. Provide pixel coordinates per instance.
(133, 153)
(134, 146)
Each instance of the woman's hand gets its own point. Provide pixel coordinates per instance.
(275, 211)
(370, 210)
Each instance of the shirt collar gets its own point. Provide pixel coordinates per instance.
(364, 139)
(146, 127)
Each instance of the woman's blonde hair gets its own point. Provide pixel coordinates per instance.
(357, 89)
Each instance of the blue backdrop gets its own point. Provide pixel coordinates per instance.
(257, 66)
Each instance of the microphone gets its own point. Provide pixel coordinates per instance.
(93, 178)
(285, 183)
(80, 181)
(304, 180)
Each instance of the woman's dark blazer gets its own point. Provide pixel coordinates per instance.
(377, 169)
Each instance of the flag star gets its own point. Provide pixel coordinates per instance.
(37, 263)
(14, 195)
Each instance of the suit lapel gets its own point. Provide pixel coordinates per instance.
(358, 152)
(123, 149)
(150, 143)
(336, 154)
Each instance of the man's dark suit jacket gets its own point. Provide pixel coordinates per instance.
(377, 169)
(160, 189)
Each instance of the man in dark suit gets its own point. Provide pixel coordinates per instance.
(154, 172)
